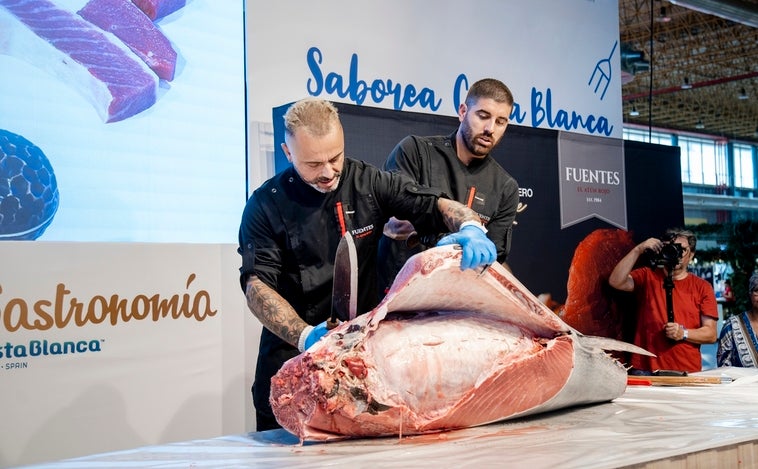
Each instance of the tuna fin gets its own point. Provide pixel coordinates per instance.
(606, 343)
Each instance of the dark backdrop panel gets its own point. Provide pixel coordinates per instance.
(541, 251)
(654, 188)
(371, 133)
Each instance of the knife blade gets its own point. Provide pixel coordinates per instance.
(345, 282)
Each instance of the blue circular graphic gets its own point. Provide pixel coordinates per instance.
(28, 190)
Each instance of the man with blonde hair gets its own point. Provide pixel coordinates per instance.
(292, 224)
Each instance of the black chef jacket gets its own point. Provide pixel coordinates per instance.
(483, 185)
(289, 235)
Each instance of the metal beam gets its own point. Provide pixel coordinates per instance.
(699, 84)
(733, 10)
(719, 202)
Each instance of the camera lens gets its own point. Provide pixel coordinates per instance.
(669, 255)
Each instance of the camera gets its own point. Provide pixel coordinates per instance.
(669, 256)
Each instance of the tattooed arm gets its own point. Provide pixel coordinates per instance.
(273, 311)
(455, 213)
(478, 250)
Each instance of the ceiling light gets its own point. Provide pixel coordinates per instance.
(663, 17)
(633, 60)
(634, 112)
(743, 94)
(699, 124)
(686, 85)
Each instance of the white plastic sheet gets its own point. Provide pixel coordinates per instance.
(647, 423)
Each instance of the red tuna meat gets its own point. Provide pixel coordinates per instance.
(103, 70)
(155, 9)
(445, 349)
(589, 306)
(136, 30)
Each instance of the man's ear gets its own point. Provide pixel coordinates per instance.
(286, 152)
(462, 111)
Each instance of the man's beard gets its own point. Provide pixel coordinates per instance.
(469, 139)
(315, 183)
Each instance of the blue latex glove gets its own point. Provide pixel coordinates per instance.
(313, 336)
(478, 249)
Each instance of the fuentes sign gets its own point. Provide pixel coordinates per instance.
(592, 182)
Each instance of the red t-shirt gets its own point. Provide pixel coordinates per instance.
(692, 296)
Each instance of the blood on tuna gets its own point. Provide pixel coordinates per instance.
(446, 349)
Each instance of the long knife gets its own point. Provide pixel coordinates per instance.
(345, 286)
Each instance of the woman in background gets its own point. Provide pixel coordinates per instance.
(738, 345)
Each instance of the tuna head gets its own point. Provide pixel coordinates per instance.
(445, 349)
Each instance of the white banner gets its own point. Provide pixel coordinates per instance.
(560, 59)
(112, 346)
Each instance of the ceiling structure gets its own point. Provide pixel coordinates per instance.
(709, 46)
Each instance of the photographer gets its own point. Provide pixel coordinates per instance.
(675, 341)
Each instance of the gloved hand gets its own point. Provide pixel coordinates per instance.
(478, 249)
(310, 336)
(398, 229)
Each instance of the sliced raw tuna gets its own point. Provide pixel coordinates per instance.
(136, 30)
(155, 9)
(97, 64)
(445, 349)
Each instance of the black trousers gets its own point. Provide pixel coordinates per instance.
(270, 360)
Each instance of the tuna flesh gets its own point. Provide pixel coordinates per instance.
(592, 306)
(96, 63)
(130, 24)
(156, 9)
(445, 349)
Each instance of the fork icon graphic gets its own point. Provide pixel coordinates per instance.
(602, 73)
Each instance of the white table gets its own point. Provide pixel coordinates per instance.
(648, 426)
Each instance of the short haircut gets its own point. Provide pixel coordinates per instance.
(673, 233)
(489, 88)
(316, 116)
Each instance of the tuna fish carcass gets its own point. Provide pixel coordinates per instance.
(446, 349)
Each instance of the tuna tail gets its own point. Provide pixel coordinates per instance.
(606, 343)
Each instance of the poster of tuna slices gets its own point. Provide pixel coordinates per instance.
(121, 120)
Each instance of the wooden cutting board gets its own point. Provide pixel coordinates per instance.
(672, 380)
